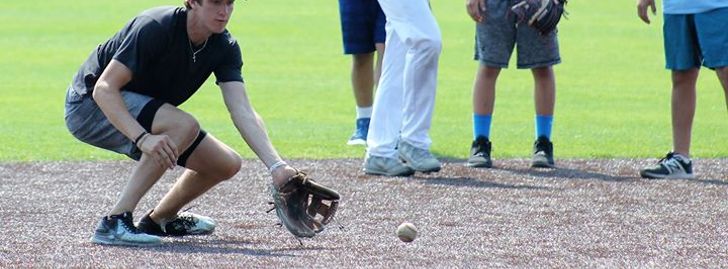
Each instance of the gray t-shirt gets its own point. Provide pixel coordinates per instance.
(156, 48)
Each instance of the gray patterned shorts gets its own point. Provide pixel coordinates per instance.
(496, 36)
(87, 122)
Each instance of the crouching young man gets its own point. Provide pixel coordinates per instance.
(124, 98)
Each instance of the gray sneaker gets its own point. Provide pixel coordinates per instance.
(393, 167)
(417, 158)
(120, 230)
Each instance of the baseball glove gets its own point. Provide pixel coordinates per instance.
(303, 206)
(543, 15)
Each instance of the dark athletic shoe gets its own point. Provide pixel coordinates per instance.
(543, 153)
(186, 223)
(670, 167)
(119, 230)
(480, 153)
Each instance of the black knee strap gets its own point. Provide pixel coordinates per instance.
(182, 160)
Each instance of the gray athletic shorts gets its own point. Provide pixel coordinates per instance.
(497, 35)
(87, 122)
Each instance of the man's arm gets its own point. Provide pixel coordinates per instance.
(107, 94)
(252, 129)
(642, 6)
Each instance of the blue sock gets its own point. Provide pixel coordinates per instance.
(543, 125)
(481, 125)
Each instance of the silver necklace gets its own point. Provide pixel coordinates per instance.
(194, 52)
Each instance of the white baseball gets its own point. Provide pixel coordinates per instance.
(407, 232)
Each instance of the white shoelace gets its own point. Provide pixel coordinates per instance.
(672, 165)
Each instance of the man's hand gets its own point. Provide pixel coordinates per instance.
(161, 149)
(642, 6)
(282, 174)
(476, 9)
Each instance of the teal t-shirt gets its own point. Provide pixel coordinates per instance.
(692, 6)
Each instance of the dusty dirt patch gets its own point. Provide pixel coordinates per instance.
(586, 213)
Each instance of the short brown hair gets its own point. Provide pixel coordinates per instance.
(187, 3)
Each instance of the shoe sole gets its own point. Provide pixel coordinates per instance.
(431, 170)
(196, 232)
(479, 165)
(649, 175)
(101, 241)
(357, 142)
(193, 233)
(542, 165)
(382, 173)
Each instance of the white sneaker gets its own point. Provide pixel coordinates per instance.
(673, 166)
(417, 158)
(185, 223)
(201, 224)
(120, 230)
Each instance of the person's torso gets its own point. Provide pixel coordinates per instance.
(173, 69)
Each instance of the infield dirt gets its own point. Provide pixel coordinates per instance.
(586, 213)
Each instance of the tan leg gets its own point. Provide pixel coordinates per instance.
(182, 128)
(210, 163)
(378, 65)
(544, 92)
(484, 90)
(723, 77)
(362, 78)
(683, 109)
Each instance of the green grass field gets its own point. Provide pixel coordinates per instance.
(613, 92)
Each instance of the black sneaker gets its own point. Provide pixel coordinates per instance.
(480, 153)
(185, 224)
(120, 230)
(543, 153)
(673, 166)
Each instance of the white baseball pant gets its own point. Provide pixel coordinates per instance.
(405, 96)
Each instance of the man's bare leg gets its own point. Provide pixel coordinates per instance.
(723, 77)
(378, 64)
(179, 127)
(544, 90)
(484, 90)
(683, 109)
(210, 163)
(362, 78)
